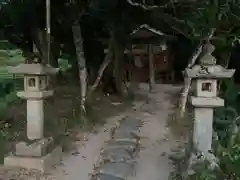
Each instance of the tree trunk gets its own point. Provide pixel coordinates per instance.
(40, 42)
(151, 68)
(42, 46)
(105, 63)
(55, 53)
(74, 70)
(187, 82)
(118, 48)
(78, 41)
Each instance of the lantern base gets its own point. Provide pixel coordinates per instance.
(42, 164)
(199, 157)
(38, 148)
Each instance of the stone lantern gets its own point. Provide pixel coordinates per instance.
(205, 99)
(35, 91)
(34, 155)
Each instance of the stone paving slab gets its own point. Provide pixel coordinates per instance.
(123, 135)
(105, 177)
(116, 155)
(125, 129)
(129, 146)
(121, 170)
(134, 129)
(131, 122)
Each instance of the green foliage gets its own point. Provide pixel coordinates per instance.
(225, 123)
(3, 110)
(230, 157)
(64, 62)
(204, 173)
(231, 94)
(208, 15)
(6, 102)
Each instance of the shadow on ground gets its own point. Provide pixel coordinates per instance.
(62, 116)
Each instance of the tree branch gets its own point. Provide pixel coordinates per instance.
(108, 58)
(145, 7)
(187, 81)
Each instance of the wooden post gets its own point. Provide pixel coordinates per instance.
(48, 27)
(134, 83)
(151, 68)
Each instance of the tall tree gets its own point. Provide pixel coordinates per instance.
(77, 8)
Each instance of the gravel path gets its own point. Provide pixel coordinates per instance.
(145, 128)
(157, 140)
(137, 149)
(80, 163)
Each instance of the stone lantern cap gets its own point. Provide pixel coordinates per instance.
(209, 72)
(207, 69)
(33, 69)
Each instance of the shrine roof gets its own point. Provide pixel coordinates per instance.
(146, 31)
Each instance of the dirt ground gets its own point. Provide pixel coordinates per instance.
(157, 139)
(161, 133)
(61, 111)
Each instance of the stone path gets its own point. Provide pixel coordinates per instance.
(138, 148)
(141, 145)
(157, 141)
(80, 163)
(117, 157)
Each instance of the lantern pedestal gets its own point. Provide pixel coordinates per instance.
(35, 112)
(40, 153)
(203, 121)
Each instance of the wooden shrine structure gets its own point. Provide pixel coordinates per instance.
(150, 57)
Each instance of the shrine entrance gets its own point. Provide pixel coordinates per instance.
(150, 58)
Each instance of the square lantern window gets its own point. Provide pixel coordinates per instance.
(206, 88)
(42, 82)
(34, 83)
(30, 83)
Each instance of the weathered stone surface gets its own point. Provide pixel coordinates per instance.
(127, 145)
(202, 134)
(116, 155)
(125, 134)
(35, 117)
(105, 177)
(37, 163)
(127, 139)
(131, 122)
(124, 127)
(120, 170)
(36, 149)
(134, 130)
